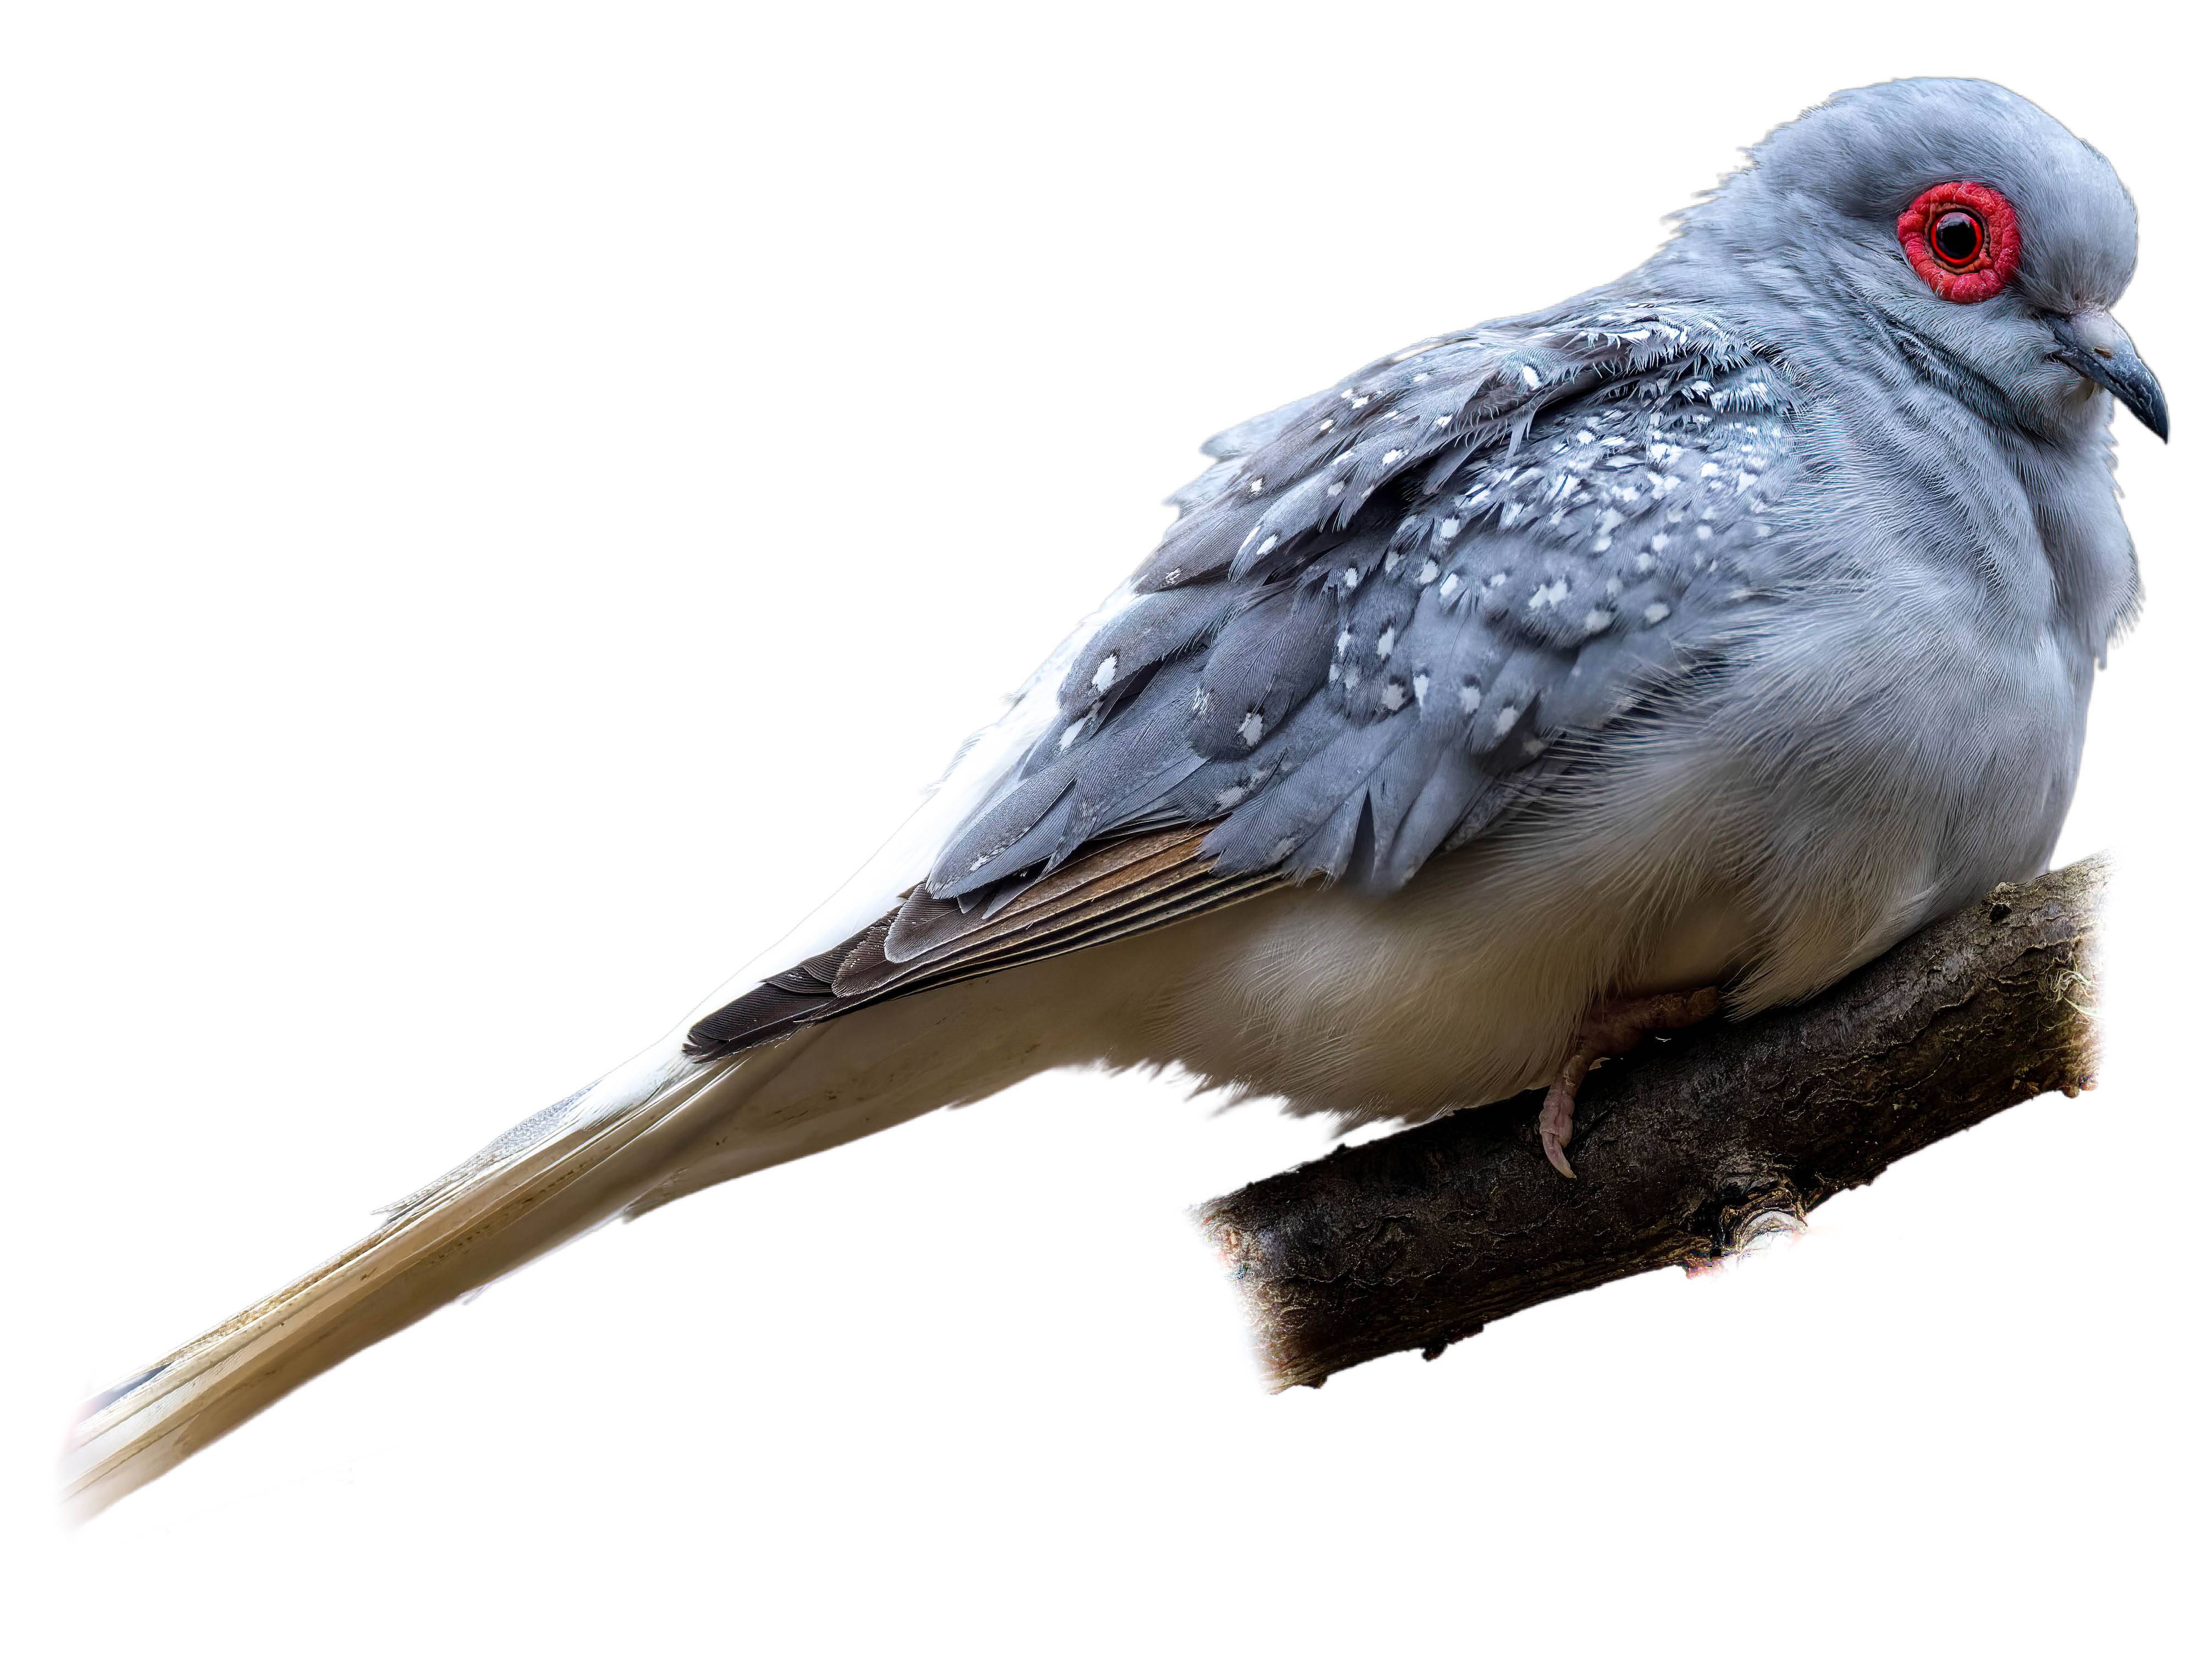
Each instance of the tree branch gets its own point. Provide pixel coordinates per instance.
(1684, 1151)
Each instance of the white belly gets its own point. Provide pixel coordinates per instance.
(1465, 988)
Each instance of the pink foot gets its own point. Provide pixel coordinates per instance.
(1609, 1030)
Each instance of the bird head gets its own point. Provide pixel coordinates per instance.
(1986, 242)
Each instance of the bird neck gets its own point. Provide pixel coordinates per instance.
(2031, 521)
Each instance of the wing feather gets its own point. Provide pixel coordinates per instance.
(1358, 644)
(1115, 891)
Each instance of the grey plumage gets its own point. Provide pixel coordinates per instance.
(1717, 627)
(1529, 530)
(1767, 471)
(1474, 545)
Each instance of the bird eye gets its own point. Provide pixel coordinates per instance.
(1956, 239)
(1963, 239)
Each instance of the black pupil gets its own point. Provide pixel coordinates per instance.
(1957, 237)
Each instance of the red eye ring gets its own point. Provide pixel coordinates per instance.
(1963, 239)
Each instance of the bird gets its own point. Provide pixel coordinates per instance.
(1660, 655)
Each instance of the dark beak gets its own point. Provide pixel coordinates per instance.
(2091, 343)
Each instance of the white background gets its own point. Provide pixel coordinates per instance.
(509, 506)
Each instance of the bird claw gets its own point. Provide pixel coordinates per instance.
(1612, 1029)
(1555, 1125)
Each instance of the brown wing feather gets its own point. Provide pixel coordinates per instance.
(1115, 890)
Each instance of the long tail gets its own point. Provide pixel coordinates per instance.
(661, 1127)
(549, 1179)
(639, 1138)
